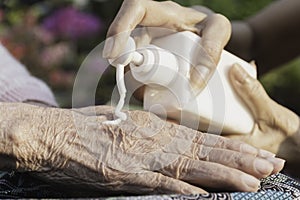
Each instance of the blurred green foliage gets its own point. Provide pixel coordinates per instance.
(232, 9)
(283, 85)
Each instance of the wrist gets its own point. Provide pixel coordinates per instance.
(32, 135)
(7, 145)
(289, 150)
(286, 120)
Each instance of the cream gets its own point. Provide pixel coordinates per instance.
(122, 91)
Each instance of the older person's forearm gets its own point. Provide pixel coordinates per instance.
(7, 160)
(28, 134)
(9, 127)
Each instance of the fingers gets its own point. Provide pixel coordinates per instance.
(159, 183)
(252, 63)
(263, 108)
(215, 33)
(216, 141)
(148, 13)
(208, 144)
(256, 166)
(209, 174)
(251, 92)
(131, 14)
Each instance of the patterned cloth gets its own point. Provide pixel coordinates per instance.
(22, 185)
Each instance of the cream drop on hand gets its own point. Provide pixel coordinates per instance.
(128, 55)
(164, 67)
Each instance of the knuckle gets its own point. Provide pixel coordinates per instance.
(253, 87)
(203, 153)
(232, 178)
(222, 23)
(213, 50)
(171, 4)
(199, 138)
(115, 28)
(221, 142)
(158, 181)
(178, 169)
(221, 18)
(238, 160)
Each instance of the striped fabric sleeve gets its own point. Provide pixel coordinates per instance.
(17, 85)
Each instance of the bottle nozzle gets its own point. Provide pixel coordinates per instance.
(128, 55)
(137, 58)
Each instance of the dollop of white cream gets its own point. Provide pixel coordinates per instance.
(122, 91)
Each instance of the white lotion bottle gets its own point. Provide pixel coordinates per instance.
(165, 69)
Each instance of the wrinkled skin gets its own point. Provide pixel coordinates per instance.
(73, 148)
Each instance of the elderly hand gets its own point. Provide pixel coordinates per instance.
(143, 154)
(214, 29)
(274, 123)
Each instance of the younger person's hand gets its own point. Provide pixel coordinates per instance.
(274, 123)
(162, 18)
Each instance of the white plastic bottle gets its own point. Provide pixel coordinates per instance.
(164, 68)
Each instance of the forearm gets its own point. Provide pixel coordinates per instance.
(8, 127)
(28, 134)
(7, 160)
(271, 37)
(51, 142)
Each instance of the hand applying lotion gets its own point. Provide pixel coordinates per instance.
(165, 67)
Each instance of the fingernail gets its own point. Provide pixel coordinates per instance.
(265, 154)
(278, 164)
(251, 182)
(193, 190)
(252, 62)
(246, 148)
(203, 72)
(263, 167)
(108, 47)
(239, 74)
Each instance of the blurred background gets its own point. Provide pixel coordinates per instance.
(52, 38)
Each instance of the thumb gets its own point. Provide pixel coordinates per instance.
(250, 91)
